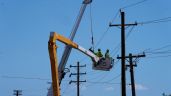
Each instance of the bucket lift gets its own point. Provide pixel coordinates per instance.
(104, 64)
(99, 63)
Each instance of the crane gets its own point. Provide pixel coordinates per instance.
(99, 63)
(67, 51)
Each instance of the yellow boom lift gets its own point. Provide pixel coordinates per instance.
(99, 63)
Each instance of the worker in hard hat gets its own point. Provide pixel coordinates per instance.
(99, 53)
(107, 54)
(107, 57)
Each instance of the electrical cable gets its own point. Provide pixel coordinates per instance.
(113, 52)
(116, 77)
(129, 32)
(134, 4)
(161, 20)
(102, 37)
(109, 80)
(99, 77)
(117, 13)
(105, 32)
(66, 89)
(160, 52)
(158, 49)
(154, 57)
(105, 82)
(20, 77)
(101, 83)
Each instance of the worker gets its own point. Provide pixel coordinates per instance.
(99, 53)
(107, 54)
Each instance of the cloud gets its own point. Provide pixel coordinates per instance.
(73, 87)
(109, 88)
(83, 87)
(139, 87)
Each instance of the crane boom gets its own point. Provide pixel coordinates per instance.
(67, 50)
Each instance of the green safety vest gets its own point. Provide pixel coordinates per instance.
(99, 54)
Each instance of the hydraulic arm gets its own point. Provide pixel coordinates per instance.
(53, 57)
(99, 63)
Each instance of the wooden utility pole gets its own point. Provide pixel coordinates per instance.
(131, 65)
(132, 75)
(123, 51)
(78, 77)
(17, 92)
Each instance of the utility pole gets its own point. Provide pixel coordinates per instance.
(17, 92)
(131, 65)
(123, 51)
(78, 77)
(132, 75)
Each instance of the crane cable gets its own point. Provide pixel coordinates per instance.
(92, 35)
(91, 29)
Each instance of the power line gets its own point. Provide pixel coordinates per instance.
(160, 52)
(100, 77)
(146, 22)
(134, 4)
(105, 32)
(158, 49)
(101, 82)
(154, 57)
(129, 32)
(107, 81)
(19, 77)
(115, 16)
(65, 89)
(118, 45)
(116, 77)
(102, 37)
(161, 20)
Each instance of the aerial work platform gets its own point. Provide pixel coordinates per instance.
(104, 64)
